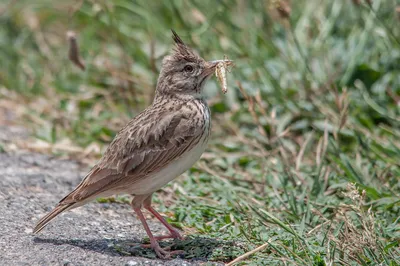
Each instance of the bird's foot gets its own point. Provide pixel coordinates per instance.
(164, 253)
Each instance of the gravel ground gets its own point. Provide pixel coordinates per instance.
(30, 185)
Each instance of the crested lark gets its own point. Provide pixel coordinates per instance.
(156, 146)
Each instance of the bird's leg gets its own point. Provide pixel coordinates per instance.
(173, 232)
(161, 253)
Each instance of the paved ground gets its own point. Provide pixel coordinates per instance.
(95, 234)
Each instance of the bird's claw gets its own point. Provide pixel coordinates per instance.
(164, 253)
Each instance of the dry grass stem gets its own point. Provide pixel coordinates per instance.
(248, 254)
(302, 150)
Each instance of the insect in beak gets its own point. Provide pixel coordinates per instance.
(220, 67)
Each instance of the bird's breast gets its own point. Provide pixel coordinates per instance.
(157, 180)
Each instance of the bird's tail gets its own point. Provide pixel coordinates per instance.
(50, 216)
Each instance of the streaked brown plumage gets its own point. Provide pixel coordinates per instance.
(156, 146)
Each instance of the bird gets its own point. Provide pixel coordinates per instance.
(156, 146)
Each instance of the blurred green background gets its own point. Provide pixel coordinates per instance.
(305, 149)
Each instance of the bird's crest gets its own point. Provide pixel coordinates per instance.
(177, 39)
(182, 51)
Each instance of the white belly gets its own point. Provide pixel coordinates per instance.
(159, 179)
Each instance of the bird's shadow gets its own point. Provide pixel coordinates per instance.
(194, 248)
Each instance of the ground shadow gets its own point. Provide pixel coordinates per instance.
(104, 246)
(194, 248)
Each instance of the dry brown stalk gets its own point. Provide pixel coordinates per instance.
(248, 254)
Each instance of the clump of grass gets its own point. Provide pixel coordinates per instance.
(358, 234)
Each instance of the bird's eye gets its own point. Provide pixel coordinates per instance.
(188, 68)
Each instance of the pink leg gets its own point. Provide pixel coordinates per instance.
(161, 253)
(173, 232)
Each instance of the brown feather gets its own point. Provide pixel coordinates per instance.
(177, 39)
(50, 216)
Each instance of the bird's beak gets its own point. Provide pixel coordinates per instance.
(211, 65)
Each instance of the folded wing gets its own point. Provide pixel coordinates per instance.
(143, 146)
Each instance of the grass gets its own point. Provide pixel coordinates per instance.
(305, 146)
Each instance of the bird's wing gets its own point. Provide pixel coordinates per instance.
(146, 144)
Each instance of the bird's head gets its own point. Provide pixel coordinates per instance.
(183, 72)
